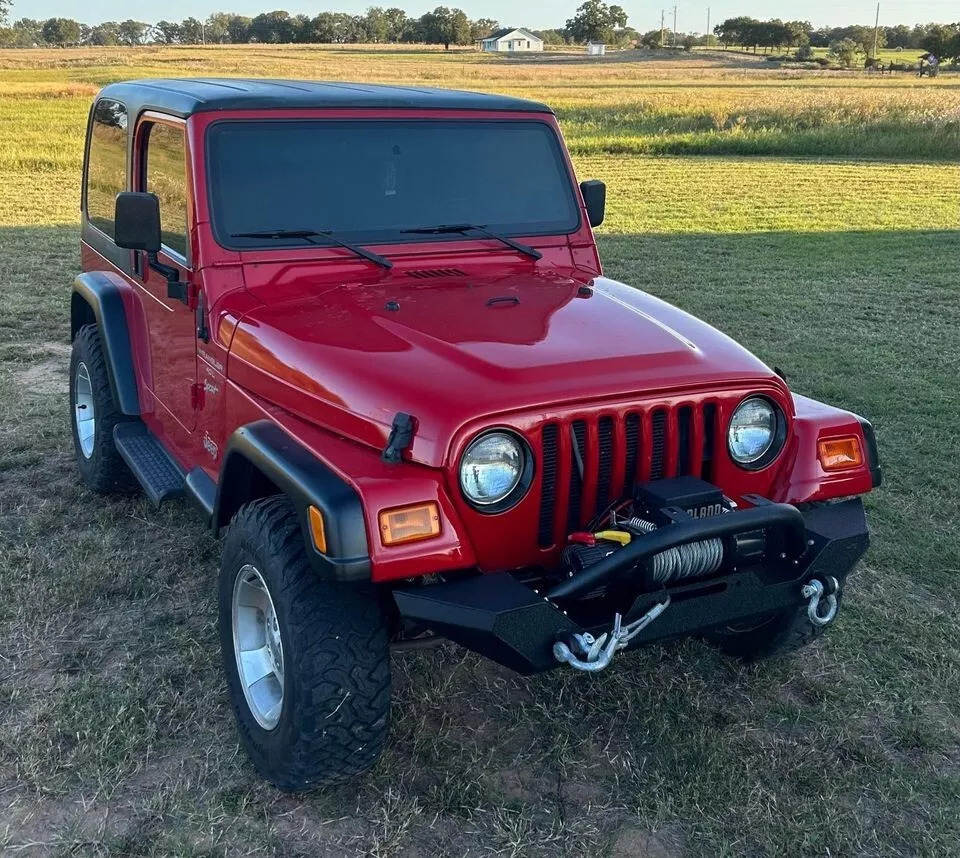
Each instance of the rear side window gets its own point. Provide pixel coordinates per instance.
(165, 174)
(106, 163)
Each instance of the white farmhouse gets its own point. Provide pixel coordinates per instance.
(512, 40)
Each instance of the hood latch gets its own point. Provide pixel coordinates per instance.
(401, 437)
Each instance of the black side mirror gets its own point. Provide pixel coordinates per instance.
(137, 221)
(595, 198)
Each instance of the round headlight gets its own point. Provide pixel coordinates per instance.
(492, 469)
(756, 433)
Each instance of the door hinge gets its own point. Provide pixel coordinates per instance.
(196, 396)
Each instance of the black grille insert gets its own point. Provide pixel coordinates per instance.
(605, 469)
(631, 431)
(578, 451)
(659, 448)
(549, 471)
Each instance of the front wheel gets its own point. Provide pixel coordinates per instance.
(769, 637)
(307, 661)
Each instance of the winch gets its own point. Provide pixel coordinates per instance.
(655, 505)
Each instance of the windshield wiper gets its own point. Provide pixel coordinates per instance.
(449, 228)
(310, 235)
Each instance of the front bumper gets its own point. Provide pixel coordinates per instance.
(513, 624)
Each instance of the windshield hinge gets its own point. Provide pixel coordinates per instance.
(401, 437)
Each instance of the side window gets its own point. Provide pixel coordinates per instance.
(106, 163)
(165, 174)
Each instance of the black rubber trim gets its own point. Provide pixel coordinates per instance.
(260, 454)
(102, 296)
(778, 515)
(202, 490)
(873, 452)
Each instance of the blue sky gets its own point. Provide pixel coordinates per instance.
(528, 13)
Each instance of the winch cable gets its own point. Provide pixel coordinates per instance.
(693, 560)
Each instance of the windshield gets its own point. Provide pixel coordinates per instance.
(369, 181)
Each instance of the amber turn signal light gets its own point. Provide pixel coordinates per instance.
(317, 531)
(409, 523)
(839, 454)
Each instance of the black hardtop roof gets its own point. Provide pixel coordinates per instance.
(186, 96)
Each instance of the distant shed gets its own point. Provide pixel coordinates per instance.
(596, 49)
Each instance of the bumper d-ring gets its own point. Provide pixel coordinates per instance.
(817, 593)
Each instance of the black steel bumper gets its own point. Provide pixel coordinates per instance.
(506, 620)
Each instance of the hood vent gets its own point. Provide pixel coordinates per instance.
(429, 273)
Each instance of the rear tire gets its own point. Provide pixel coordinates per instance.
(320, 715)
(93, 414)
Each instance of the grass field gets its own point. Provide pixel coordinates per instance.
(830, 248)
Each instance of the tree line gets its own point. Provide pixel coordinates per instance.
(594, 20)
(940, 39)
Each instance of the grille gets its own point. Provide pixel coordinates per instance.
(591, 462)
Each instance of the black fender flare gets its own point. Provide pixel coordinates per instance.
(260, 454)
(96, 294)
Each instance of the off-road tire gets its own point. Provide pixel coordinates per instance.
(336, 678)
(776, 636)
(104, 471)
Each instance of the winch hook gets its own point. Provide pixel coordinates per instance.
(816, 591)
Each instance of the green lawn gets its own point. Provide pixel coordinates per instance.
(115, 736)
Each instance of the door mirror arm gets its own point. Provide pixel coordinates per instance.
(176, 289)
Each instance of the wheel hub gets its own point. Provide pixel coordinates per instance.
(258, 647)
(85, 417)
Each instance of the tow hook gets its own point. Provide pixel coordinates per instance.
(816, 591)
(590, 654)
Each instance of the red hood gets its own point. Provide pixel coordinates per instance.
(451, 353)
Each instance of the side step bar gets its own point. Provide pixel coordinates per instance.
(159, 475)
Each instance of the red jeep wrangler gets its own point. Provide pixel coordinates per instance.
(366, 330)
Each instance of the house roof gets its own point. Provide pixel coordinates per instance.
(506, 31)
(186, 96)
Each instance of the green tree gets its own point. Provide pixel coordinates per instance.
(847, 52)
(272, 28)
(483, 27)
(650, 39)
(445, 26)
(378, 27)
(938, 39)
(28, 32)
(107, 33)
(191, 32)
(4, 11)
(131, 32)
(60, 31)
(737, 31)
(595, 21)
(551, 37)
(898, 37)
(166, 32)
(397, 24)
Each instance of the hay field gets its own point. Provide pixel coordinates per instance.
(814, 217)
